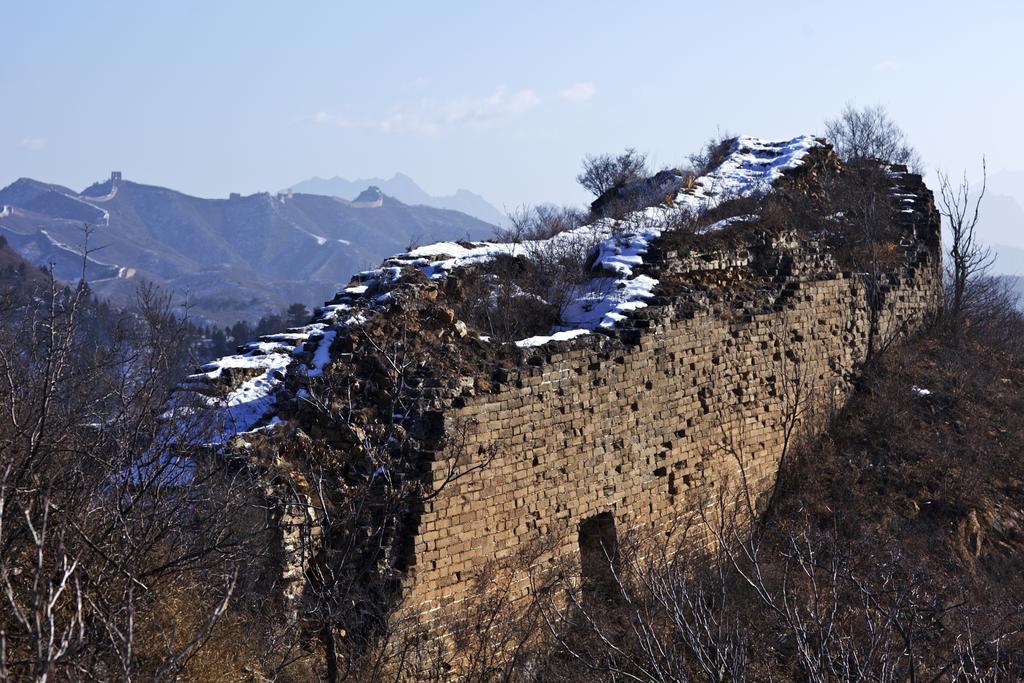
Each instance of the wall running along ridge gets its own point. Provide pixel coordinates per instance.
(641, 423)
(685, 398)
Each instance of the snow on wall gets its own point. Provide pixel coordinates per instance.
(250, 404)
(751, 167)
(617, 288)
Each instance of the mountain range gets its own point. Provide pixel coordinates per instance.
(404, 189)
(1001, 220)
(235, 258)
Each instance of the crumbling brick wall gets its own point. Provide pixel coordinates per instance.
(750, 332)
(690, 395)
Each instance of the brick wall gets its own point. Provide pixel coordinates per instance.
(690, 396)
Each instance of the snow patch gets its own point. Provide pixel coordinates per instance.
(244, 406)
(752, 167)
(267, 359)
(322, 355)
(726, 222)
(544, 339)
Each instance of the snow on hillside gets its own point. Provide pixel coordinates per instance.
(615, 290)
(263, 364)
(752, 167)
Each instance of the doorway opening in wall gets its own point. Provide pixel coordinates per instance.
(599, 555)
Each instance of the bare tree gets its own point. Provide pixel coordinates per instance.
(969, 259)
(870, 134)
(106, 521)
(368, 482)
(714, 151)
(540, 222)
(604, 172)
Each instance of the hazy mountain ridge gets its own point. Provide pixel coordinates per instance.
(1016, 285)
(1001, 221)
(1008, 260)
(404, 189)
(237, 258)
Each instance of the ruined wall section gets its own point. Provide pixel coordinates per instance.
(691, 395)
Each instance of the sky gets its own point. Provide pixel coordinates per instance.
(503, 99)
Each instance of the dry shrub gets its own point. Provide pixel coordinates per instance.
(605, 172)
(539, 223)
(524, 293)
(712, 154)
(500, 300)
(870, 134)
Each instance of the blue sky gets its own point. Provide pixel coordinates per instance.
(501, 98)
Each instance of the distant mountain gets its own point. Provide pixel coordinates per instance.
(1001, 220)
(1008, 182)
(237, 258)
(405, 189)
(370, 198)
(1016, 283)
(1008, 260)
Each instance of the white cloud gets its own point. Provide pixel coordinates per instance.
(579, 92)
(430, 116)
(32, 144)
(397, 122)
(887, 65)
(501, 104)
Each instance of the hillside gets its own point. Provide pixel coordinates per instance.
(918, 486)
(16, 274)
(237, 258)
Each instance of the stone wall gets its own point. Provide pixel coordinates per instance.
(753, 335)
(692, 395)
